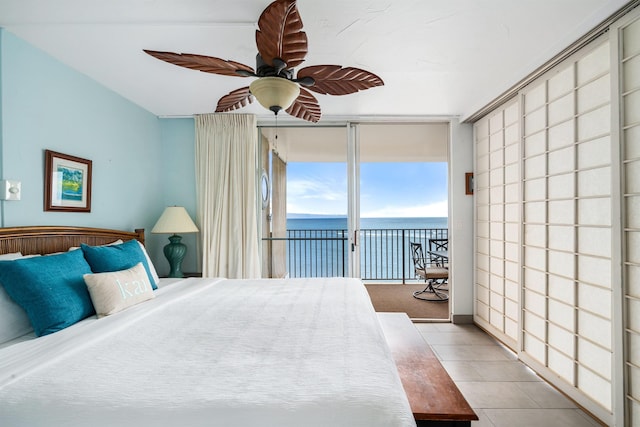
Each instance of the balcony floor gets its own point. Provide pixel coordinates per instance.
(399, 298)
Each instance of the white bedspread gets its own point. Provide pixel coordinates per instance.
(213, 352)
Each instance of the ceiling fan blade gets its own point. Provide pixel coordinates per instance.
(234, 100)
(305, 107)
(338, 80)
(280, 34)
(207, 64)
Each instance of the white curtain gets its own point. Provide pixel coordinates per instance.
(226, 164)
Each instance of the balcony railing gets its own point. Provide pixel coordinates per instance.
(385, 254)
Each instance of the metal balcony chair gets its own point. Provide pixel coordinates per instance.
(438, 257)
(439, 252)
(435, 276)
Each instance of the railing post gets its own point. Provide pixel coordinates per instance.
(345, 252)
(403, 263)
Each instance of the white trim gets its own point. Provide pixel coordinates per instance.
(618, 393)
(620, 335)
(353, 192)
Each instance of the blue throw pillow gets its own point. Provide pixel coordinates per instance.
(106, 259)
(50, 289)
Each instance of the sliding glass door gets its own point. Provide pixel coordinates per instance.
(402, 196)
(305, 226)
(328, 181)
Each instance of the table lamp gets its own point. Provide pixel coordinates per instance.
(174, 220)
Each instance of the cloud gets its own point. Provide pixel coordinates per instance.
(321, 197)
(435, 209)
(314, 189)
(330, 198)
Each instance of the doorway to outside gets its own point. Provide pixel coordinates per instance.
(349, 200)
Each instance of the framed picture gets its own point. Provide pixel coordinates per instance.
(67, 183)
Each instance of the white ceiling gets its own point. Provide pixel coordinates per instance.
(436, 57)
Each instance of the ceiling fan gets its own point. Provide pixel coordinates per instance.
(282, 45)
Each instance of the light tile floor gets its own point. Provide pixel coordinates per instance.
(502, 390)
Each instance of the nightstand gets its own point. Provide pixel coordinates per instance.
(192, 275)
(186, 275)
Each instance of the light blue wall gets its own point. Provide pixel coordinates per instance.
(177, 141)
(1, 91)
(46, 105)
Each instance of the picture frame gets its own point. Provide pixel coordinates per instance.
(67, 183)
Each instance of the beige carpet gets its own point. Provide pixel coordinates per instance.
(399, 298)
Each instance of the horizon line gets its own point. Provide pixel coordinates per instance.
(345, 216)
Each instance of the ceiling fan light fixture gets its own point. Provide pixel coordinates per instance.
(274, 93)
(282, 46)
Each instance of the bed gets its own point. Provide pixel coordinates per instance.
(198, 352)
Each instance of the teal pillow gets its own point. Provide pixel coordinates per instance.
(106, 259)
(50, 289)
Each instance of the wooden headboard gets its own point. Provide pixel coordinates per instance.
(50, 239)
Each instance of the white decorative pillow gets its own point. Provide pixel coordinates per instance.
(13, 319)
(11, 256)
(115, 291)
(116, 242)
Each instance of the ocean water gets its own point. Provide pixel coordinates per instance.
(318, 246)
(336, 223)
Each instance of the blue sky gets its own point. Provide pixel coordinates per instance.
(386, 189)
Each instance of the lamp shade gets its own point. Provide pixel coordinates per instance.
(175, 219)
(275, 93)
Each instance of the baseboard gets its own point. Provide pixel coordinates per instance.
(462, 318)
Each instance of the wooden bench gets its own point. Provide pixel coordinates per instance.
(434, 398)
